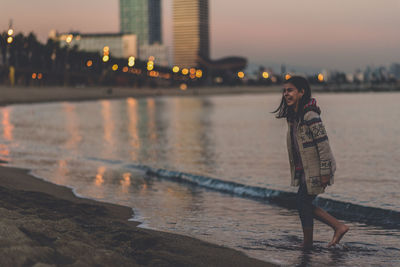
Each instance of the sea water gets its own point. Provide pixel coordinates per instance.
(216, 168)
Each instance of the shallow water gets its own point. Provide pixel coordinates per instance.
(97, 147)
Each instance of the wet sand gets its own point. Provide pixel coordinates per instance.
(43, 224)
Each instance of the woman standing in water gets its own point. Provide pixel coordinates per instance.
(312, 164)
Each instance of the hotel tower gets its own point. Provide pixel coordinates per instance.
(142, 18)
(190, 32)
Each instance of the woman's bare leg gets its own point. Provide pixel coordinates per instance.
(339, 228)
(308, 237)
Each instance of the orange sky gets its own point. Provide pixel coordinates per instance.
(341, 34)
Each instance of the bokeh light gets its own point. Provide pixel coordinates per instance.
(185, 71)
(175, 69)
(199, 73)
(183, 86)
(131, 61)
(106, 58)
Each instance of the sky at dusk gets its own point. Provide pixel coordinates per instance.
(312, 34)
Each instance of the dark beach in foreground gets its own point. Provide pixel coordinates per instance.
(43, 224)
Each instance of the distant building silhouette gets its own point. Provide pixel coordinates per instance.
(395, 69)
(142, 18)
(157, 51)
(120, 45)
(190, 32)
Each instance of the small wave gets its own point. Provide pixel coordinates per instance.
(344, 210)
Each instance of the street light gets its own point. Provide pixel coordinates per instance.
(131, 61)
(199, 73)
(68, 40)
(150, 65)
(106, 53)
(185, 71)
(10, 39)
(175, 69)
(10, 33)
(106, 58)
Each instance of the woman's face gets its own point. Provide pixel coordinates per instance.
(292, 95)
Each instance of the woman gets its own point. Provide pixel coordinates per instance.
(312, 164)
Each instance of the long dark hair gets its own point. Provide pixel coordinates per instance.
(284, 111)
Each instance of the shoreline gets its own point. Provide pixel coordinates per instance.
(46, 223)
(28, 95)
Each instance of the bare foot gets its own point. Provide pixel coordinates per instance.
(339, 233)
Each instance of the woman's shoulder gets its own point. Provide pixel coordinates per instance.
(311, 110)
(311, 116)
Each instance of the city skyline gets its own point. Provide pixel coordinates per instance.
(336, 35)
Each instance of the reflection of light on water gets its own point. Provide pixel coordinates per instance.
(125, 182)
(183, 135)
(99, 176)
(151, 122)
(144, 188)
(132, 126)
(61, 172)
(177, 195)
(7, 132)
(4, 151)
(108, 123)
(72, 125)
(7, 126)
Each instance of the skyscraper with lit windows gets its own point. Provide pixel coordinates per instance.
(142, 18)
(191, 32)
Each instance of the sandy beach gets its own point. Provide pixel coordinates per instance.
(43, 224)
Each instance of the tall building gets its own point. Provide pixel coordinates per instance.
(142, 18)
(191, 32)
